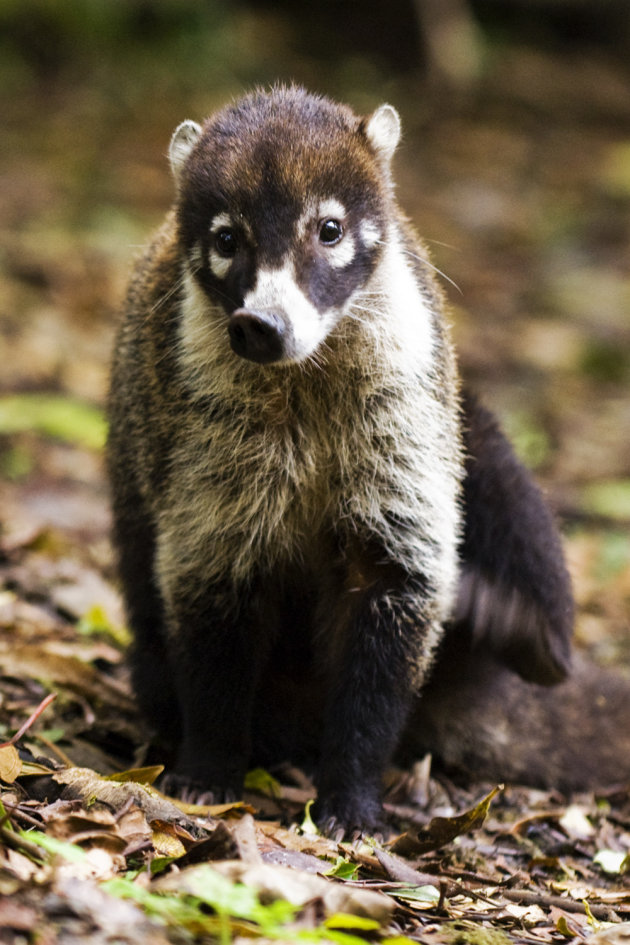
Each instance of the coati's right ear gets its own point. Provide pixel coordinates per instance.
(183, 141)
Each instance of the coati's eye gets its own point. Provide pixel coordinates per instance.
(330, 232)
(225, 241)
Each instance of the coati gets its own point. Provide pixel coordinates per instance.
(291, 461)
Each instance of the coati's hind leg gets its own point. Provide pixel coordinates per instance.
(515, 594)
(151, 670)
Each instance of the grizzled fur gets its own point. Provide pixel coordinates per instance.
(286, 463)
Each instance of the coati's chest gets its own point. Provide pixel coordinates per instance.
(248, 486)
(303, 466)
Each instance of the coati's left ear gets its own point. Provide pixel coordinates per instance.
(183, 141)
(382, 129)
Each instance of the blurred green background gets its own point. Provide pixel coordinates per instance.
(515, 167)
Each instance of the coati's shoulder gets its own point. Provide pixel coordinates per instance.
(155, 283)
(144, 366)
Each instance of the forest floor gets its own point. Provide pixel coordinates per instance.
(524, 197)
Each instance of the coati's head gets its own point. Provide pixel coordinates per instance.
(283, 205)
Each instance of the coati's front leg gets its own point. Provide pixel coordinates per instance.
(381, 652)
(215, 661)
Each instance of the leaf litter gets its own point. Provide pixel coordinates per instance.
(471, 864)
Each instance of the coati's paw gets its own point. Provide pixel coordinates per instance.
(195, 792)
(349, 817)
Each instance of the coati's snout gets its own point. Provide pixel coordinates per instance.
(260, 336)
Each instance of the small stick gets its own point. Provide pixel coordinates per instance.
(35, 715)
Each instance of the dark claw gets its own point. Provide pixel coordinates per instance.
(193, 792)
(354, 822)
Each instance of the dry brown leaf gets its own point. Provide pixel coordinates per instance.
(15, 916)
(219, 845)
(133, 827)
(441, 830)
(85, 784)
(612, 935)
(10, 764)
(167, 843)
(244, 833)
(97, 827)
(147, 775)
(400, 871)
(98, 863)
(36, 662)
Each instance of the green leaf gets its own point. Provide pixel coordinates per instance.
(343, 920)
(67, 851)
(95, 622)
(53, 734)
(343, 869)
(65, 418)
(418, 893)
(161, 863)
(259, 780)
(174, 910)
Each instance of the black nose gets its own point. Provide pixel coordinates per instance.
(257, 336)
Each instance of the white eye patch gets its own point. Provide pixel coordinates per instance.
(220, 265)
(219, 221)
(342, 253)
(332, 208)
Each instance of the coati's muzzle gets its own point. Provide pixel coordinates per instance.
(260, 336)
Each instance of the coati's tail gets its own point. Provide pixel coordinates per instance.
(515, 598)
(480, 719)
(514, 616)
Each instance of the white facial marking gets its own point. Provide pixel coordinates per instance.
(342, 254)
(220, 265)
(309, 214)
(370, 233)
(219, 221)
(332, 208)
(414, 329)
(393, 298)
(277, 290)
(195, 257)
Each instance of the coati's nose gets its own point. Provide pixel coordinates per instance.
(257, 336)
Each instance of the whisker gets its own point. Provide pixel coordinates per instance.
(426, 262)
